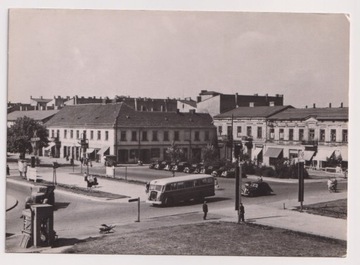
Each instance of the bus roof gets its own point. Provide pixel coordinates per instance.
(165, 181)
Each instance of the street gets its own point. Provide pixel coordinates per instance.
(77, 216)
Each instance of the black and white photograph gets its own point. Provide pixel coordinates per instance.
(177, 132)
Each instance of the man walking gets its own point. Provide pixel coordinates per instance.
(242, 213)
(205, 210)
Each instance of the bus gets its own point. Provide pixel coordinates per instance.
(168, 191)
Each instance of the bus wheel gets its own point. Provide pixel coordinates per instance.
(169, 201)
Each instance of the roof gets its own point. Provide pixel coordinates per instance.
(103, 115)
(253, 112)
(42, 100)
(38, 115)
(164, 181)
(317, 113)
(189, 102)
(136, 119)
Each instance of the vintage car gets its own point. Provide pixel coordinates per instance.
(41, 194)
(161, 165)
(180, 167)
(257, 188)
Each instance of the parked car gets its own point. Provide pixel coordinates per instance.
(170, 166)
(257, 188)
(41, 194)
(152, 165)
(192, 168)
(161, 165)
(180, 167)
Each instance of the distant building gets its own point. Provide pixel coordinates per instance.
(185, 105)
(41, 116)
(40, 103)
(216, 103)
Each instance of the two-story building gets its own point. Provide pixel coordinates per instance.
(117, 129)
(316, 133)
(245, 124)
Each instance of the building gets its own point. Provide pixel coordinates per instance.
(244, 124)
(216, 103)
(41, 116)
(117, 129)
(186, 105)
(316, 134)
(40, 103)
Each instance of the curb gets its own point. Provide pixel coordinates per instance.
(11, 202)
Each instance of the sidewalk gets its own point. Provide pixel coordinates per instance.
(279, 214)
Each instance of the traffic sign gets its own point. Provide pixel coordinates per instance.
(134, 200)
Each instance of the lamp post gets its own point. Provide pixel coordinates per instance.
(84, 145)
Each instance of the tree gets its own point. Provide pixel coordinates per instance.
(175, 154)
(20, 133)
(211, 154)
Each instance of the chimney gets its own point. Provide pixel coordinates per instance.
(314, 106)
(330, 105)
(341, 105)
(236, 99)
(135, 103)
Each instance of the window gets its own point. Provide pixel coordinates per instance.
(99, 135)
(248, 131)
(106, 135)
(133, 136)
(259, 132)
(229, 131)
(301, 134)
(197, 136)
(345, 136)
(58, 133)
(166, 136)
(144, 136)
(176, 136)
(238, 131)
(220, 130)
(155, 136)
(207, 136)
(91, 135)
(123, 136)
(291, 134)
(281, 134)
(52, 134)
(77, 134)
(272, 133)
(65, 134)
(311, 134)
(71, 134)
(322, 135)
(333, 135)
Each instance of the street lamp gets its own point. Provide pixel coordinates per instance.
(84, 145)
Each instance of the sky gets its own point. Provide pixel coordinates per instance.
(176, 54)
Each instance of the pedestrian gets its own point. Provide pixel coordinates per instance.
(205, 210)
(7, 170)
(242, 213)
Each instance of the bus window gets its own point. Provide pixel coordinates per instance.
(189, 184)
(155, 187)
(173, 186)
(180, 185)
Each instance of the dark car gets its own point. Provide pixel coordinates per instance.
(194, 168)
(161, 165)
(181, 166)
(230, 173)
(258, 188)
(170, 166)
(152, 165)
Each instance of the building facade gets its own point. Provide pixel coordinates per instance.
(312, 134)
(117, 129)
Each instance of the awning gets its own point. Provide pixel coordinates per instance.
(90, 150)
(49, 147)
(308, 155)
(256, 152)
(344, 156)
(273, 152)
(103, 150)
(323, 155)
